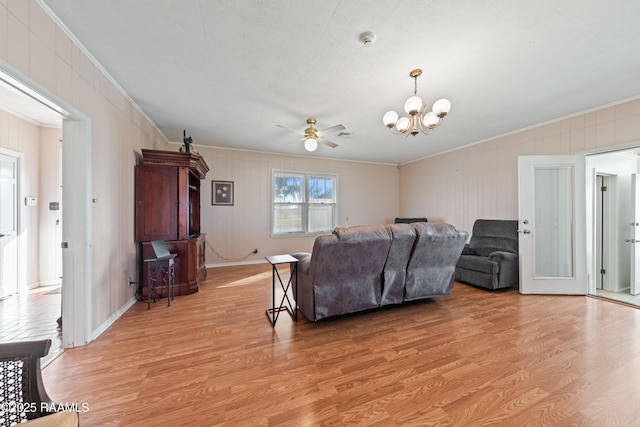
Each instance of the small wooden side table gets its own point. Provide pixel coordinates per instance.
(274, 311)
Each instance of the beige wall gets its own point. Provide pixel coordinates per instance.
(23, 137)
(481, 181)
(367, 194)
(36, 50)
(50, 223)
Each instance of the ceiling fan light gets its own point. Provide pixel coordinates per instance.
(310, 144)
(431, 120)
(403, 124)
(390, 118)
(441, 107)
(413, 105)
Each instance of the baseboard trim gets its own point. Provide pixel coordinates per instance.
(231, 264)
(45, 283)
(111, 320)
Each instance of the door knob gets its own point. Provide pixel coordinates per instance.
(631, 240)
(2, 235)
(526, 231)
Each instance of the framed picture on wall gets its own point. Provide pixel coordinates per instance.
(222, 193)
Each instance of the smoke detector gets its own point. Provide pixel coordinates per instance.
(367, 38)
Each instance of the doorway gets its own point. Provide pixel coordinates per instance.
(9, 173)
(76, 261)
(30, 252)
(616, 250)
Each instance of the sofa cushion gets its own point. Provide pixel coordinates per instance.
(485, 251)
(432, 263)
(490, 235)
(395, 269)
(362, 233)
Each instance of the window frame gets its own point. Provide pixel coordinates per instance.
(305, 203)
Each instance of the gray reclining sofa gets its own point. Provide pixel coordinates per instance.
(364, 267)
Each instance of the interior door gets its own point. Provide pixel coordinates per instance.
(8, 225)
(634, 285)
(552, 225)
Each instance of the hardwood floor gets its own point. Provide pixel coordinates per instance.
(474, 358)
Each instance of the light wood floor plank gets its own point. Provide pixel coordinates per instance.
(474, 358)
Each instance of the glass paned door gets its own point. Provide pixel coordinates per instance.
(554, 238)
(552, 229)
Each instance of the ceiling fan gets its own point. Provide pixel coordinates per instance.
(312, 136)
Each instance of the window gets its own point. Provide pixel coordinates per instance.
(303, 202)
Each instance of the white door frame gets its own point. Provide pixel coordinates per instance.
(76, 233)
(634, 236)
(77, 281)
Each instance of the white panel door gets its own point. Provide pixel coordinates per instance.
(552, 239)
(8, 225)
(634, 282)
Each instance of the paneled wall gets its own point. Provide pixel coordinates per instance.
(50, 226)
(367, 194)
(35, 50)
(481, 180)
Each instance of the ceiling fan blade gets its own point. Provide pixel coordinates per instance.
(292, 130)
(327, 142)
(331, 129)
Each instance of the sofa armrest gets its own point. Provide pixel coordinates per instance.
(499, 256)
(304, 261)
(509, 268)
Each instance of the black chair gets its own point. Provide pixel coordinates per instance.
(490, 259)
(23, 394)
(409, 220)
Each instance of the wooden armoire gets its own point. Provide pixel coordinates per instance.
(168, 208)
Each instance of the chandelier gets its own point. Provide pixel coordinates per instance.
(417, 121)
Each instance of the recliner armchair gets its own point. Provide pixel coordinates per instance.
(490, 259)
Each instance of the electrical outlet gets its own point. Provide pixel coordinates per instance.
(255, 251)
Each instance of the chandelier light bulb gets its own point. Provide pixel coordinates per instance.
(413, 105)
(403, 124)
(441, 107)
(310, 144)
(418, 120)
(390, 118)
(431, 120)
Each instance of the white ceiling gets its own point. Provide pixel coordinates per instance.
(229, 71)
